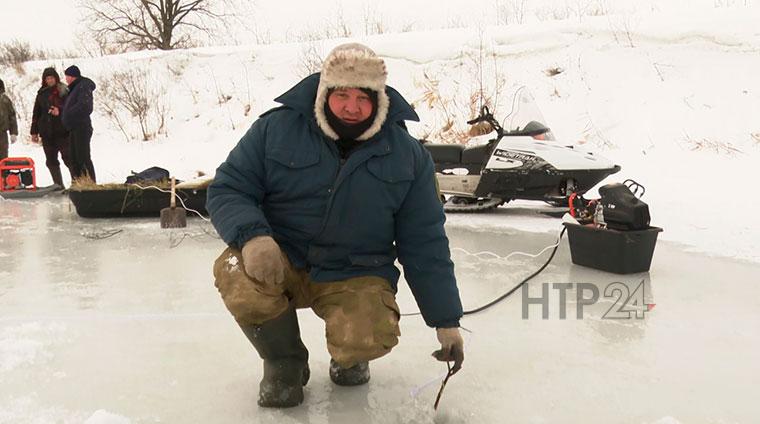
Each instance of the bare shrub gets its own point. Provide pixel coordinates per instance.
(248, 106)
(548, 13)
(16, 52)
(373, 21)
(489, 81)
(622, 28)
(454, 100)
(573, 8)
(717, 146)
(339, 27)
(510, 12)
(142, 97)
(222, 98)
(407, 26)
(310, 58)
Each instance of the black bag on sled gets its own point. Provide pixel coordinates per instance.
(152, 174)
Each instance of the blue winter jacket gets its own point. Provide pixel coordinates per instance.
(78, 105)
(284, 179)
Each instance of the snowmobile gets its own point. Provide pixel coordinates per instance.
(522, 161)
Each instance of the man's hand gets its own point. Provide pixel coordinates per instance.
(54, 111)
(13, 138)
(452, 347)
(263, 261)
(35, 138)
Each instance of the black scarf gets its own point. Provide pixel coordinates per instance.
(348, 133)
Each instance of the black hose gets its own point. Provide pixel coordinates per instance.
(507, 294)
(530, 277)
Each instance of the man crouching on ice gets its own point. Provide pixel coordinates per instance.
(311, 201)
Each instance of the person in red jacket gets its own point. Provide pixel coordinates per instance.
(47, 126)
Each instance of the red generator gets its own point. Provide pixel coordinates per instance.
(17, 174)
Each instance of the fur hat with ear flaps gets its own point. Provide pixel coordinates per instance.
(352, 65)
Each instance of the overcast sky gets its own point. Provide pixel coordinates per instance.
(41, 22)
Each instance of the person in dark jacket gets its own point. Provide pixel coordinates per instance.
(316, 202)
(75, 117)
(8, 122)
(48, 127)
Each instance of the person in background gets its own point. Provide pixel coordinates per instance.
(47, 126)
(8, 122)
(75, 117)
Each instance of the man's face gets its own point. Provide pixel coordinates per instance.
(351, 105)
(69, 80)
(50, 80)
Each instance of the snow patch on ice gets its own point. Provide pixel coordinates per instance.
(666, 420)
(102, 416)
(27, 410)
(28, 344)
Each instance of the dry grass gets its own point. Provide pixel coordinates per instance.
(719, 147)
(86, 184)
(447, 110)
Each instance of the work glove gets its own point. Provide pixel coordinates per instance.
(452, 347)
(263, 261)
(13, 138)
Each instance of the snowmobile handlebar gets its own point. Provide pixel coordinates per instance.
(487, 116)
(484, 116)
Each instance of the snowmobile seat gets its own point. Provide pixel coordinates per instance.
(445, 153)
(476, 155)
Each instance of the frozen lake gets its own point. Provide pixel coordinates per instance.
(130, 329)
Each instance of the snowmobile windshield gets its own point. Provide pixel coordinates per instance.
(526, 118)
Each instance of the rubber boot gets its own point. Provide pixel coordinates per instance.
(354, 376)
(286, 367)
(55, 172)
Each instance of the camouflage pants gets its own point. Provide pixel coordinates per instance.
(361, 315)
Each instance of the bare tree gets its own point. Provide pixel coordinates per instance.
(122, 25)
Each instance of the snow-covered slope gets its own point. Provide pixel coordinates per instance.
(672, 97)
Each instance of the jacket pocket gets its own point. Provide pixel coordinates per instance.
(371, 260)
(390, 171)
(293, 158)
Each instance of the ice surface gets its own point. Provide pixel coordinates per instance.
(128, 329)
